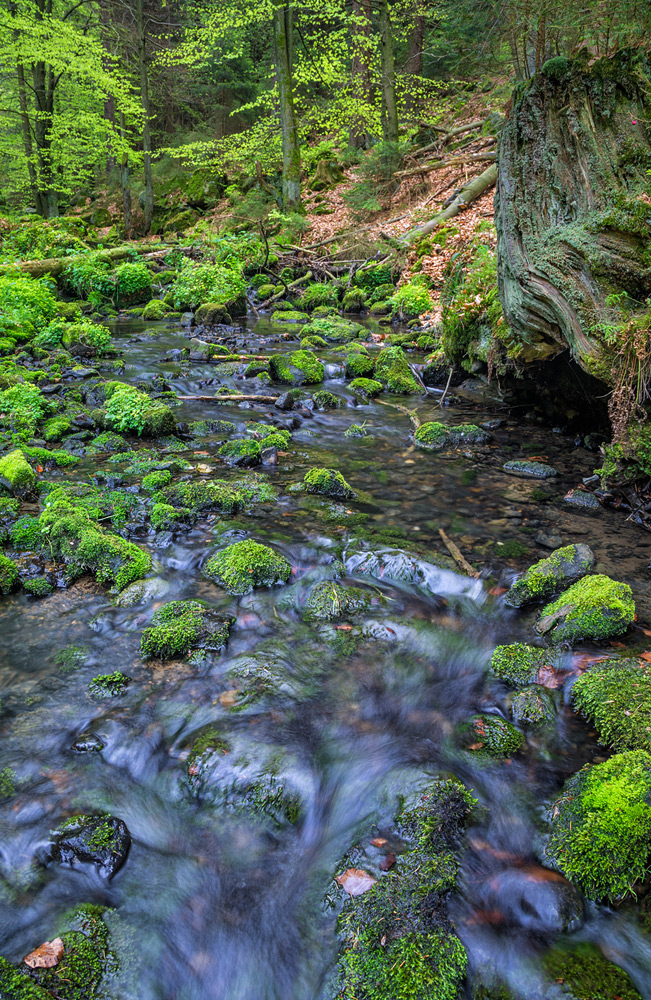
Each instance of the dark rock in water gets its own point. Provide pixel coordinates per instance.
(533, 706)
(530, 470)
(535, 898)
(287, 400)
(187, 319)
(100, 840)
(549, 539)
(578, 498)
(269, 456)
(88, 743)
(552, 574)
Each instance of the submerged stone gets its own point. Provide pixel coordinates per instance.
(533, 706)
(595, 607)
(518, 663)
(551, 574)
(329, 600)
(184, 626)
(587, 975)
(241, 567)
(601, 826)
(529, 470)
(328, 483)
(100, 840)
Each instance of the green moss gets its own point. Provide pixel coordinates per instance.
(208, 743)
(518, 663)
(289, 316)
(218, 495)
(433, 436)
(616, 697)
(109, 685)
(334, 329)
(585, 972)
(533, 706)
(328, 483)
(511, 549)
(318, 295)
(131, 411)
(366, 387)
(325, 400)
(9, 507)
(601, 826)
(155, 310)
(529, 470)
(55, 428)
(7, 783)
(87, 956)
(493, 735)
(357, 431)
(182, 626)
(38, 587)
(595, 607)
(298, 368)
(8, 575)
(245, 565)
(25, 533)
(241, 452)
(549, 575)
(17, 474)
(17, 984)
(354, 301)
(329, 600)
(61, 459)
(71, 658)
(164, 517)
(156, 481)
(107, 441)
(411, 300)
(392, 369)
(359, 366)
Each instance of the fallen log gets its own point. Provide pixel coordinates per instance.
(55, 265)
(452, 161)
(472, 190)
(239, 398)
(279, 295)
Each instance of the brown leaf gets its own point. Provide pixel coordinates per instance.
(344, 628)
(378, 841)
(646, 656)
(548, 677)
(228, 698)
(46, 956)
(497, 591)
(387, 863)
(475, 746)
(355, 881)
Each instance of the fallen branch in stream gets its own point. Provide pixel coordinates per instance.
(458, 556)
(240, 398)
(279, 295)
(469, 193)
(413, 416)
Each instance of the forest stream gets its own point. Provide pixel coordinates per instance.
(315, 725)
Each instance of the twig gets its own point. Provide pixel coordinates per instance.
(447, 386)
(292, 284)
(413, 416)
(240, 398)
(457, 555)
(252, 305)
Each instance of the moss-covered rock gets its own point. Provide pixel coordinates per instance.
(244, 565)
(212, 314)
(38, 586)
(297, 368)
(164, 517)
(551, 574)
(491, 734)
(595, 607)
(130, 411)
(396, 938)
(17, 474)
(217, 494)
(155, 481)
(533, 706)
(155, 310)
(518, 663)
(8, 575)
(334, 329)
(316, 295)
(182, 627)
(392, 370)
(354, 301)
(109, 685)
(586, 975)
(325, 400)
(616, 696)
(367, 388)
(328, 483)
(359, 366)
(601, 826)
(434, 436)
(529, 470)
(242, 452)
(290, 316)
(410, 300)
(329, 600)
(103, 841)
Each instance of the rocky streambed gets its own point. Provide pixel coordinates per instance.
(263, 736)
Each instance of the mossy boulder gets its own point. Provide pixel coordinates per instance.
(586, 974)
(16, 474)
(325, 400)
(103, 841)
(155, 481)
(282, 315)
(595, 607)
(182, 627)
(329, 600)
(328, 483)
(392, 370)
(164, 517)
(155, 310)
(334, 329)
(130, 411)
(546, 577)
(212, 314)
(396, 938)
(367, 388)
(435, 436)
(616, 696)
(217, 494)
(493, 735)
(359, 366)
(532, 706)
(601, 826)
(243, 451)
(8, 575)
(518, 663)
(318, 294)
(297, 368)
(354, 301)
(529, 470)
(241, 567)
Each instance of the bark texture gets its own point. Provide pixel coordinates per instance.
(283, 29)
(572, 216)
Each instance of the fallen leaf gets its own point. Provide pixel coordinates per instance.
(46, 956)
(344, 628)
(497, 591)
(378, 841)
(387, 863)
(355, 881)
(646, 656)
(548, 677)
(228, 698)
(475, 746)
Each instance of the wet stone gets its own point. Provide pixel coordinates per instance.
(529, 470)
(103, 841)
(578, 498)
(88, 743)
(536, 899)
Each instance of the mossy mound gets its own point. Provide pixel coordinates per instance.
(244, 452)
(490, 734)
(325, 400)
(616, 697)
(328, 483)
(298, 368)
(17, 474)
(212, 314)
(318, 295)
(529, 470)
(155, 481)
(359, 366)
(601, 826)
(434, 436)
(8, 575)
(533, 706)
(218, 495)
(392, 370)
(164, 517)
(130, 411)
(367, 388)
(334, 329)
(518, 663)
(241, 567)
(329, 600)
(595, 607)
(181, 627)
(551, 574)
(109, 685)
(397, 940)
(587, 975)
(155, 310)
(282, 314)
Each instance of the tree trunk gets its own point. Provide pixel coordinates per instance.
(360, 70)
(146, 129)
(43, 86)
(26, 127)
(572, 227)
(387, 59)
(283, 46)
(414, 64)
(472, 190)
(124, 181)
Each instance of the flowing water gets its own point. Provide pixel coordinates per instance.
(216, 903)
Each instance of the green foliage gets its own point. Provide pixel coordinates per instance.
(109, 685)
(472, 314)
(410, 300)
(601, 826)
(8, 575)
(182, 626)
(22, 407)
(318, 295)
(244, 565)
(26, 305)
(616, 697)
(42, 238)
(38, 587)
(376, 170)
(217, 283)
(72, 336)
(129, 410)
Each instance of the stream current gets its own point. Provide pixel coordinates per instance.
(216, 903)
